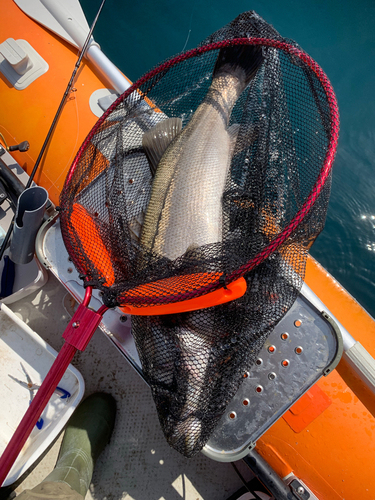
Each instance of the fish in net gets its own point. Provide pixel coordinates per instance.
(215, 165)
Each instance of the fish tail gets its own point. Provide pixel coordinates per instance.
(185, 436)
(243, 60)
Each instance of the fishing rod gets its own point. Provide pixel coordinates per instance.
(52, 127)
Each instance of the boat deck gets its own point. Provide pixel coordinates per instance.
(137, 463)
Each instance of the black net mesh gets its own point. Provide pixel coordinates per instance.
(242, 190)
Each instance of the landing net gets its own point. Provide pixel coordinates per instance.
(136, 235)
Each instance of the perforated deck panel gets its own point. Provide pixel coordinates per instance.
(303, 347)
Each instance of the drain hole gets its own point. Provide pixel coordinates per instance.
(232, 415)
(271, 349)
(259, 362)
(259, 389)
(297, 323)
(284, 336)
(246, 402)
(298, 350)
(285, 363)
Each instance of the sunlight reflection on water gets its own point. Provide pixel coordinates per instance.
(340, 37)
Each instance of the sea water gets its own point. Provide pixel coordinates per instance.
(340, 36)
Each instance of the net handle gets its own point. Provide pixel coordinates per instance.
(328, 161)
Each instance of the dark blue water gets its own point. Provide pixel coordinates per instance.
(340, 36)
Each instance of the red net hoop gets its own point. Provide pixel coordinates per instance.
(212, 284)
(151, 226)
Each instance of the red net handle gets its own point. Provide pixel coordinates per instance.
(323, 175)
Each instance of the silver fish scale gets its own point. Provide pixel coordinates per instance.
(185, 208)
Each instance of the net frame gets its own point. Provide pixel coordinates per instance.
(194, 362)
(207, 287)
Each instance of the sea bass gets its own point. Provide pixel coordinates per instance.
(174, 352)
(191, 165)
(190, 168)
(196, 348)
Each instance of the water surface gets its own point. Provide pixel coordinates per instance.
(340, 36)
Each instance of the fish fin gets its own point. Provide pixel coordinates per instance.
(185, 435)
(233, 134)
(233, 131)
(192, 247)
(251, 136)
(135, 226)
(156, 140)
(247, 58)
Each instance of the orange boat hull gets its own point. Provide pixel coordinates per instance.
(326, 438)
(26, 115)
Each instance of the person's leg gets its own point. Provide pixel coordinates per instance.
(86, 435)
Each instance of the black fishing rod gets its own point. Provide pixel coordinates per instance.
(52, 127)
